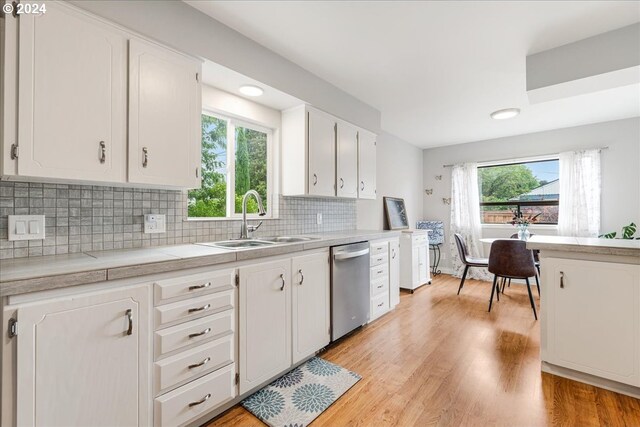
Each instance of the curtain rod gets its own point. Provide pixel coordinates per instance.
(537, 155)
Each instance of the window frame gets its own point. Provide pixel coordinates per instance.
(233, 122)
(518, 204)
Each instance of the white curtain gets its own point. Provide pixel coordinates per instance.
(465, 218)
(579, 211)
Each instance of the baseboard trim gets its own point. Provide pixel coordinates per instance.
(582, 377)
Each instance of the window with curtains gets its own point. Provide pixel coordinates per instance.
(532, 188)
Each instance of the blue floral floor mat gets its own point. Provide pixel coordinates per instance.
(299, 396)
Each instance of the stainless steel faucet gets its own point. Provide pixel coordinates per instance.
(246, 229)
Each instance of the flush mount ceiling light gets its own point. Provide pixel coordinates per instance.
(251, 90)
(507, 113)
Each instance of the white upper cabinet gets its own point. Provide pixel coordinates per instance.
(320, 156)
(322, 145)
(164, 116)
(347, 160)
(72, 96)
(366, 165)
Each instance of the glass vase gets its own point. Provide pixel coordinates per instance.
(523, 232)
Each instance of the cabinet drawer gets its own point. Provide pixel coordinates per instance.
(379, 248)
(379, 305)
(379, 286)
(193, 363)
(379, 259)
(194, 308)
(379, 272)
(194, 285)
(194, 332)
(420, 239)
(182, 405)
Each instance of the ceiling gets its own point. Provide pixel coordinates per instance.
(436, 69)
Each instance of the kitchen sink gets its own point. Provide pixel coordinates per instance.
(242, 244)
(289, 239)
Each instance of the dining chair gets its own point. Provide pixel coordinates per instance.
(467, 260)
(510, 259)
(536, 259)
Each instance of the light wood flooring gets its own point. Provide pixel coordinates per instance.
(441, 359)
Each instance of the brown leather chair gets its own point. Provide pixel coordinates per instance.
(510, 259)
(467, 260)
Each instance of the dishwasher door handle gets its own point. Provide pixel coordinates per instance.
(346, 255)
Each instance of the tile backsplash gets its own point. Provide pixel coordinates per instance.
(81, 218)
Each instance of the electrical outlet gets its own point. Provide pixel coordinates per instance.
(155, 223)
(319, 218)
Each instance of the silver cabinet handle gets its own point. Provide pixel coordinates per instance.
(283, 282)
(341, 183)
(380, 286)
(362, 185)
(196, 287)
(301, 277)
(562, 279)
(103, 152)
(315, 179)
(129, 315)
(393, 254)
(145, 157)
(204, 307)
(197, 334)
(381, 304)
(197, 365)
(380, 271)
(201, 401)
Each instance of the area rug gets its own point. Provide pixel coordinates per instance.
(298, 397)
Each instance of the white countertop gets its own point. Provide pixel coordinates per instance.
(592, 245)
(48, 272)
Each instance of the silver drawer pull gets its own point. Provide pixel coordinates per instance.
(201, 401)
(204, 307)
(380, 286)
(196, 287)
(197, 365)
(380, 271)
(197, 334)
(381, 304)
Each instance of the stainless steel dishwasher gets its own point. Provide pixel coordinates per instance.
(350, 298)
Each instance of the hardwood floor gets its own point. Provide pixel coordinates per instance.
(441, 359)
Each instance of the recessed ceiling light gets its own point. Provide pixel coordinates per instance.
(507, 113)
(251, 90)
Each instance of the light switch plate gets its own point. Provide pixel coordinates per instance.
(155, 223)
(26, 227)
(319, 218)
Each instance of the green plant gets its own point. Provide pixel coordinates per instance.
(627, 232)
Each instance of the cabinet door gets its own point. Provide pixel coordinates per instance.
(366, 165)
(394, 272)
(347, 160)
(164, 116)
(423, 264)
(85, 360)
(72, 96)
(593, 317)
(311, 320)
(265, 322)
(322, 158)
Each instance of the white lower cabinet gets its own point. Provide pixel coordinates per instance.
(310, 304)
(195, 345)
(384, 276)
(414, 259)
(265, 322)
(84, 360)
(591, 317)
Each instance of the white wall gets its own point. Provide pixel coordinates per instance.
(398, 174)
(178, 25)
(620, 169)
